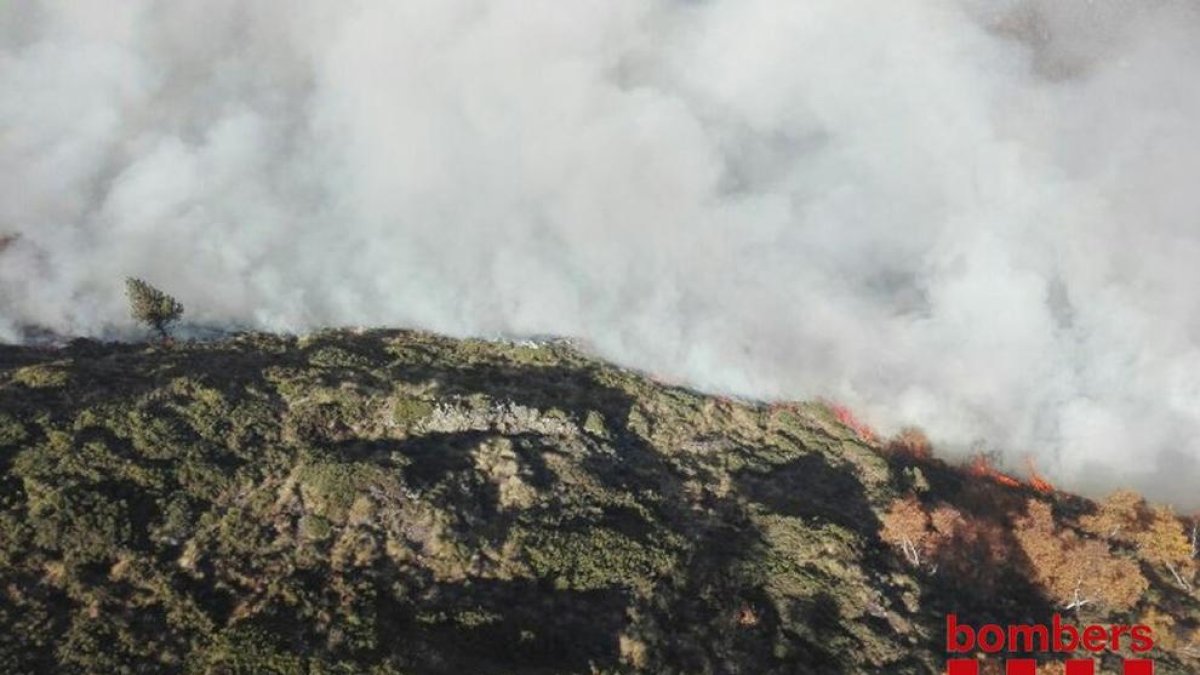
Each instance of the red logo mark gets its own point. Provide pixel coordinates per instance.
(1029, 667)
(1059, 637)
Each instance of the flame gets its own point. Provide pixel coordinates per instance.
(982, 468)
(847, 418)
(1036, 480)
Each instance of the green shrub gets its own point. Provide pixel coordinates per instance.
(334, 357)
(408, 412)
(41, 376)
(592, 558)
(12, 432)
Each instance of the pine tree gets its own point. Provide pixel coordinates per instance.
(151, 306)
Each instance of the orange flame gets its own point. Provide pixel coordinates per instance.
(982, 468)
(847, 418)
(1037, 481)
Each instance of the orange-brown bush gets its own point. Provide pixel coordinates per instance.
(1119, 517)
(973, 551)
(906, 526)
(1074, 571)
(1165, 543)
(911, 442)
(1160, 536)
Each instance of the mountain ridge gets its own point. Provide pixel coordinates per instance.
(396, 501)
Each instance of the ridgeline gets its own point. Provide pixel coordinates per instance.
(397, 502)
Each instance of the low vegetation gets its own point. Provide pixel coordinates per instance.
(396, 502)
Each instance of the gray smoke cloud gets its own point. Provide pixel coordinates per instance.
(978, 216)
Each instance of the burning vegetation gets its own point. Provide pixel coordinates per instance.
(912, 443)
(398, 502)
(847, 418)
(981, 467)
(981, 531)
(1037, 481)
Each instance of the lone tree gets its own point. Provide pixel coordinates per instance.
(151, 306)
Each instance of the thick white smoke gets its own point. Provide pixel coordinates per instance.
(980, 216)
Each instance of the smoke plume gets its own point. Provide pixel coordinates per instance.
(979, 216)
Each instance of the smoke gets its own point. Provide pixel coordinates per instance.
(979, 216)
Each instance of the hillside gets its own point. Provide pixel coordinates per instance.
(396, 502)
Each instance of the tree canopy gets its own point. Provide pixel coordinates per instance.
(151, 306)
